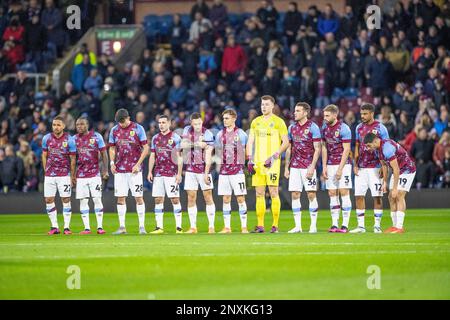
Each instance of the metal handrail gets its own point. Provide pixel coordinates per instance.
(35, 76)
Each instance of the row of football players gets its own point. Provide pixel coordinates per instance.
(70, 161)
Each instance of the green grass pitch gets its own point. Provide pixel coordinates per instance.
(414, 265)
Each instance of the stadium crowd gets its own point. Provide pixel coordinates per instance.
(317, 56)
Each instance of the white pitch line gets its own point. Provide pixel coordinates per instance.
(165, 255)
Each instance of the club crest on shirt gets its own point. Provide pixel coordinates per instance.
(374, 131)
(132, 133)
(91, 141)
(336, 133)
(170, 142)
(200, 138)
(306, 131)
(271, 125)
(64, 144)
(236, 138)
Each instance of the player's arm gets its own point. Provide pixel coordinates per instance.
(44, 160)
(324, 160)
(144, 154)
(104, 156)
(345, 155)
(145, 149)
(312, 167)
(356, 158)
(249, 151)
(208, 160)
(180, 167)
(112, 157)
(287, 160)
(73, 160)
(396, 174)
(151, 165)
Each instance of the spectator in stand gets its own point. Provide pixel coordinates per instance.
(11, 171)
(190, 60)
(323, 88)
(405, 126)
(399, 58)
(218, 15)
(29, 162)
(422, 152)
(441, 124)
(81, 72)
(307, 86)
(13, 38)
(348, 23)
(36, 42)
(328, 21)
(177, 94)
(178, 35)
(439, 151)
(82, 50)
(268, 15)
(234, 60)
(198, 26)
(201, 7)
(446, 169)
(292, 22)
(93, 84)
(52, 19)
(159, 93)
(379, 75)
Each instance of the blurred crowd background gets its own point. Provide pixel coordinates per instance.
(217, 60)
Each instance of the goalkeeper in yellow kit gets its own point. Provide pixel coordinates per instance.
(268, 139)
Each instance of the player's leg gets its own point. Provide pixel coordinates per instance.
(177, 214)
(192, 210)
(82, 194)
(393, 208)
(313, 210)
(159, 215)
(240, 191)
(311, 189)
(95, 189)
(191, 187)
(276, 207)
(334, 209)
(401, 209)
(210, 209)
(376, 184)
(67, 213)
(345, 185)
(226, 210)
(63, 185)
(346, 209)
(121, 189)
(49, 198)
(295, 187)
(172, 191)
(361, 187)
(136, 184)
(242, 212)
(225, 190)
(260, 208)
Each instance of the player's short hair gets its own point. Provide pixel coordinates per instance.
(195, 116)
(305, 106)
(267, 97)
(231, 112)
(332, 108)
(368, 106)
(83, 118)
(59, 118)
(121, 115)
(369, 138)
(163, 116)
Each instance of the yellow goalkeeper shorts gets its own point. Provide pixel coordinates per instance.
(265, 176)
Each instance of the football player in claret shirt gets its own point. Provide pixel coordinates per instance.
(368, 170)
(90, 146)
(128, 148)
(198, 145)
(301, 162)
(230, 149)
(268, 139)
(337, 168)
(403, 173)
(164, 171)
(58, 161)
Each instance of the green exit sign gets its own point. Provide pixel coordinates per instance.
(112, 34)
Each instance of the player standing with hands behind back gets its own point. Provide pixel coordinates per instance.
(58, 161)
(268, 139)
(128, 149)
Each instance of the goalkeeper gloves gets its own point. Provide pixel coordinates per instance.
(251, 167)
(269, 161)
